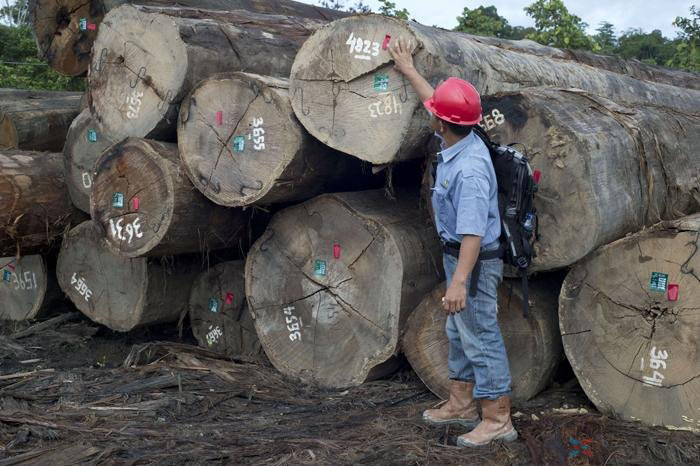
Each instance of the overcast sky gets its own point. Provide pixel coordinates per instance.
(624, 14)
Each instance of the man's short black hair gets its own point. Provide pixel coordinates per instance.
(459, 130)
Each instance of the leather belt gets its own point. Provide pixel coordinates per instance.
(453, 250)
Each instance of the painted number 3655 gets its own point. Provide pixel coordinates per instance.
(258, 134)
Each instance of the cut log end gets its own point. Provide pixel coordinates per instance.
(23, 285)
(236, 136)
(630, 324)
(8, 133)
(109, 289)
(331, 311)
(133, 196)
(65, 32)
(533, 346)
(345, 89)
(219, 313)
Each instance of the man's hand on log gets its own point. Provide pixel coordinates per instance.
(401, 53)
(455, 299)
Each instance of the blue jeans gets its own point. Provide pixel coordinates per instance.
(476, 350)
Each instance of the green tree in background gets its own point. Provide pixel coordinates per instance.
(652, 48)
(16, 14)
(389, 8)
(358, 7)
(483, 21)
(555, 26)
(605, 39)
(687, 49)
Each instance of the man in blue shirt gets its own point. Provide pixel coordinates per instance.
(465, 204)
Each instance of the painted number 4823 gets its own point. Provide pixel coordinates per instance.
(364, 46)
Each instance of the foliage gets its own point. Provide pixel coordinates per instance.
(687, 51)
(15, 14)
(20, 68)
(358, 7)
(389, 8)
(651, 48)
(605, 40)
(555, 26)
(483, 21)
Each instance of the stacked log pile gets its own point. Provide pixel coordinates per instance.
(201, 118)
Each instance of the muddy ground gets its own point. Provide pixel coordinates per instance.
(73, 392)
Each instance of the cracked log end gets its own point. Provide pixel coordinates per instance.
(353, 99)
(23, 285)
(219, 312)
(635, 352)
(85, 142)
(58, 34)
(533, 345)
(331, 280)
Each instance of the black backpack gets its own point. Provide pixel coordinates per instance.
(516, 192)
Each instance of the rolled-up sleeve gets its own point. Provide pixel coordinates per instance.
(472, 205)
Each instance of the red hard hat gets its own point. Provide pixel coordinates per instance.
(456, 101)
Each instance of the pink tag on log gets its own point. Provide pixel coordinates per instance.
(385, 44)
(135, 203)
(537, 175)
(11, 267)
(219, 117)
(229, 298)
(673, 290)
(336, 250)
(92, 26)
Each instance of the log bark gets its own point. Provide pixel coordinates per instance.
(634, 350)
(34, 205)
(241, 144)
(356, 102)
(331, 281)
(146, 206)
(67, 47)
(119, 292)
(607, 169)
(24, 286)
(630, 67)
(146, 60)
(219, 313)
(36, 120)
(534, 345)
(85, 142)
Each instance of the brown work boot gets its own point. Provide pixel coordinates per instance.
(459, 409)
(496, 424)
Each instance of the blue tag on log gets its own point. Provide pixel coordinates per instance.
(320, 268)
(118, 200)
(239, 143)
(214, 305)
(658, 282)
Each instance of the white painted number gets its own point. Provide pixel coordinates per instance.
(26, 282)
(293, 324)
(131, 229)
(365, 49)
(134, 103)
(259, 134)
(81, 287)
(87, 180)
(388, 105)
(214, 335)
(496, 118)
(657, 361)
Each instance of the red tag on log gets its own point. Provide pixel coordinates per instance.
(11, 267)
(336, 250)
(673, 290)
(92, 26)
(219, 117)
(229, 298)
(135, 203)
(537, 175)
(385, 44)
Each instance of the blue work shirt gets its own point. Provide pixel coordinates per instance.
(465, 195)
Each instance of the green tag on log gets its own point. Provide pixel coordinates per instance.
(320, 268)
(92, 135)
(239, 143)
(118, 200)
(7, 276)
(381, 82)
(214, 305)
(658, 282)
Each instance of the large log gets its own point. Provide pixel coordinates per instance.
(119, 292)
(630, 325)
(219, 313)
(347, 93)
(146, 60)
(630, 67)
(607, 170)
(241, 144)
(24, 286)
(36, 120)
(331, 281)
(85, 142)
(34, 205)
(533, 345)
(146, 206)
(66, 44)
